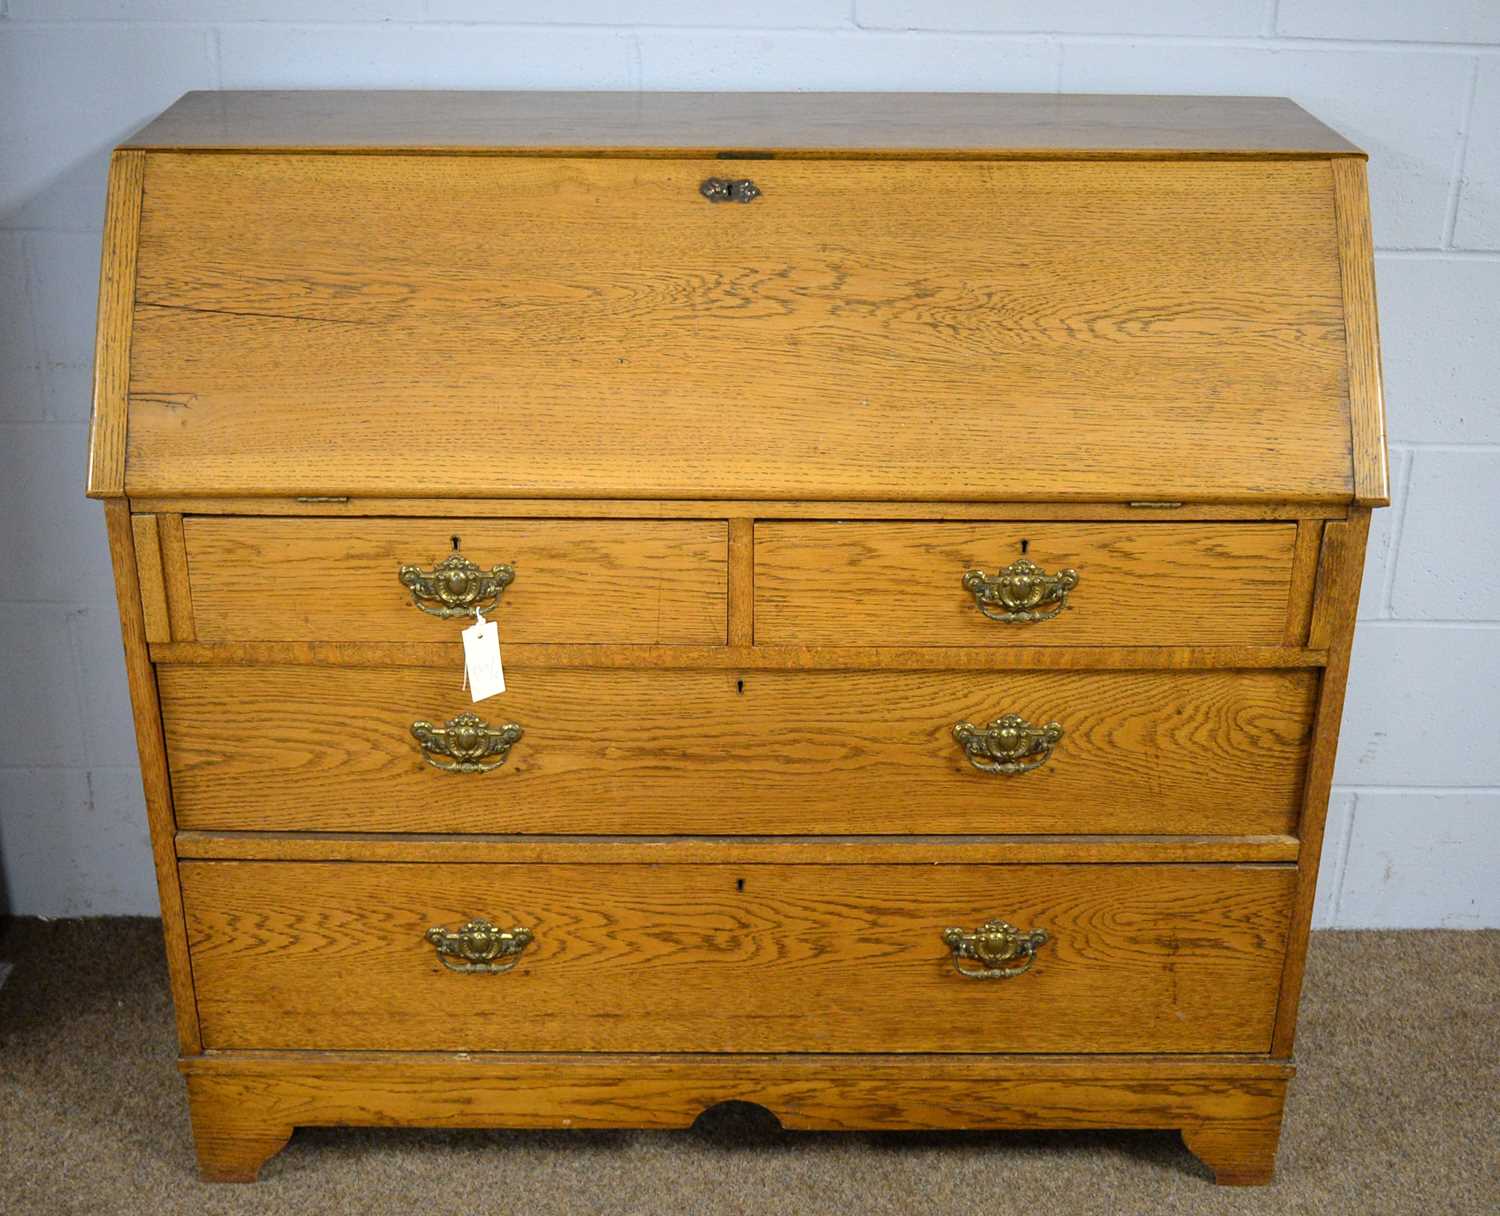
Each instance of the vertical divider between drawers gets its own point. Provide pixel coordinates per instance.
(741, 582)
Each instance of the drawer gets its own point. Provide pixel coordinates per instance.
(340, 580)
(1157, 584)
(492, 326)
(1137, 958)
(715, 752)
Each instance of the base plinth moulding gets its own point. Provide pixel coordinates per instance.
(245, 1105)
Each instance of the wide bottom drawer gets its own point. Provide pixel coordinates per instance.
(784, 958)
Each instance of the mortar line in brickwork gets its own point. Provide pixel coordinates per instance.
(1434, 254)
(1341, 853)
(1381, 623)
(1415, 789)
(1388, 588)
(1417, 445)
(1460, 158)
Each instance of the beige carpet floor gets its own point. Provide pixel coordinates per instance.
(1396, 1110)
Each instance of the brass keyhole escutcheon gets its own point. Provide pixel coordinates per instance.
(724, 190)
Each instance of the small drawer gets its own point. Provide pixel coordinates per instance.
(648, 582)
(1022, 584)
(296, 748)
(726, 958)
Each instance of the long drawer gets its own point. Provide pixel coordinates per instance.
(714, 752)
(418, 580)
(1011, 584)
(1104, 958)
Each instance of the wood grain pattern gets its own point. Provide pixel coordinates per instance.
(122, 221)
(153, 582)
(950, 1066)
(1339, 588)
(245, 1105)
(1372, 473)
(728, 850)
(1340, 568)
(749, 658)
(1304, 578)
(709, 508)
(588, 581)
(836, 584)
(233, 1133)
(692, 958)
(707, 124)
(329, 749)
(146, 711)
(791, 348)
(741, 582)
(1240, 1153)
(175, 569)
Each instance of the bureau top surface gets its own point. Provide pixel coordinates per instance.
(791, 124)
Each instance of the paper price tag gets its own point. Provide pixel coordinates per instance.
(482, 671)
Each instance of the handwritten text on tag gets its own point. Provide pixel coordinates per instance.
(482, 671)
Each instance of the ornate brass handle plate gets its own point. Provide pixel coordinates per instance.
(1022, 592)
(456, 586)
(466, 744)
(1008, 745)
(720, 190)
(477, 946)
(996, 946)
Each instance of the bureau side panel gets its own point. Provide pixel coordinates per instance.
(1372, 474)
(1336, 605)
(153, 755)
(117, 268)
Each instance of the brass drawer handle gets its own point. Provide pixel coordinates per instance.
(1022, 592)
(993, 945)
(721, 190)
(455, 586)
(464, 744)
(1008, 745)
(477, 945)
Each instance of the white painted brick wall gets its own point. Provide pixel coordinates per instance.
(1414, 829)
(1477, 220)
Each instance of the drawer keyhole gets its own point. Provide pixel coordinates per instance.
(1025, 544)
(720, 190)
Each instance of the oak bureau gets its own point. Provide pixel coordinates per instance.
(925, 535)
